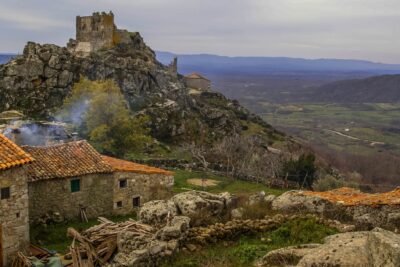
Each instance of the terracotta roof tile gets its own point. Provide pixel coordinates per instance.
(12, 155)
(128, 166)
(66, 160)
(352, 197)
(196, 75)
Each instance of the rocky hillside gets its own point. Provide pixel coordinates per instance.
(37, 82)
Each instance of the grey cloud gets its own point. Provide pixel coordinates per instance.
(365, 29)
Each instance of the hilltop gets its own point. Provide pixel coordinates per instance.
(45, 74)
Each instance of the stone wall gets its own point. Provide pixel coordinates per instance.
(200, 84)
(146, 186)
(14, 217)
(55, 196)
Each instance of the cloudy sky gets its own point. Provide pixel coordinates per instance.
(357, 29)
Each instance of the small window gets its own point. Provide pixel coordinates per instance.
(136, 202)
(5, 193)
(17, 215)
(75, 185)
(119, 204)
(123, 183)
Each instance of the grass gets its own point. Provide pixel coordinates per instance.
(54, 236)
(247, 249)
(225, 184)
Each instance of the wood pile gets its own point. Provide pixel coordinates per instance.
(21, 261)
(96, 245)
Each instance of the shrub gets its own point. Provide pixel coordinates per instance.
(301, 170)
(329, 182)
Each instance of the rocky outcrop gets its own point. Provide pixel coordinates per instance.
(38, 80)
(295, 201)
(365, 216)
(356, 249)
(198, 205)
(45, 74)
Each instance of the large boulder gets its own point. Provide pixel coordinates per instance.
(157, 211)
(296, 201)
(200, 204)
(354, 249)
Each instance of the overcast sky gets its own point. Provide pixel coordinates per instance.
(356, 29)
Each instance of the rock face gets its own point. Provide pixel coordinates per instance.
(355, 249)
(197, 205)
(45, 74)
(295, 201)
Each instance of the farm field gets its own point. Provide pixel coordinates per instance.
(354, 128)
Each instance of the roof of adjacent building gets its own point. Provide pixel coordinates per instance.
(12, 155)
(66, 160)
(196, 75)
(128, 166)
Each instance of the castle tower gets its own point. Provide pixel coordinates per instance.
(93, 33)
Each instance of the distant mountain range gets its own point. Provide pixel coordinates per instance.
(382, 86)
(4, 58)
(213, 64)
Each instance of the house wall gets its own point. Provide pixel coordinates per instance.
(14, 216)
(200, 84)
(55, 196)
(146, 186)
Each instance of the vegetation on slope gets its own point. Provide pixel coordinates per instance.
(101, 114)
(247, 249)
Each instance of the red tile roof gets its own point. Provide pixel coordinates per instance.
(129, 166)
(12, 155)
(352, 197)
(196, 75)
(66, 160)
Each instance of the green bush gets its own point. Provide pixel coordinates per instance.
(101, 114)
(301, 170)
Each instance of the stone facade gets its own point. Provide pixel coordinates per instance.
(132, 189)
(55, 195)
(14, 216)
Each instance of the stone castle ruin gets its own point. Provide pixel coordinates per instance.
(99, 32)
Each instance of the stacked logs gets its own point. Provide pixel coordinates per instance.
(96, 245)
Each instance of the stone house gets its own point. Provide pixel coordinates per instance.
(66, 178)
(136, 183)
(198, 82)
(14, 214)
(71, 177)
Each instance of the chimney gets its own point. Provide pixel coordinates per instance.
(15, 134)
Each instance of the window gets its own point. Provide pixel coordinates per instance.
(136, 202)
(5, 193)
(123, 183)
(75, 185)
(119, 204)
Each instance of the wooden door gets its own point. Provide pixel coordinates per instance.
(1, 246)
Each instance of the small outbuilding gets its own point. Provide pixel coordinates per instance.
(14, 214)
(197, 81)
(135, 184)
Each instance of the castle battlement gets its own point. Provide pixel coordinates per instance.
(93, 33)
